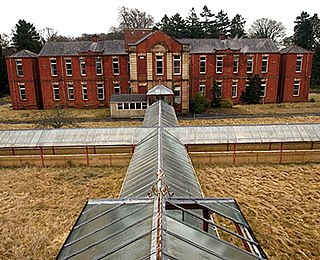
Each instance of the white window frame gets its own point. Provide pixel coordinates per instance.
(249, 64)
(297, 83)
(235, 64)
(219, 88)
(234, 89)
(53, 67)
(159, 65)
(177, 94)
(99, 66)
(116, 85)
(202, 64)
(22, 91)
(219, 64)
(299, 61)
(68, 67)
(56, 91)
(263, 88)
(100, 91)
(264, 64)
(19, 68)
(70, 88)
(176, 64)
(84, 89)
(202, 88)
(116, 66)
(83, 70)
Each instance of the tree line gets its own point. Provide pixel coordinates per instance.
(206, 24)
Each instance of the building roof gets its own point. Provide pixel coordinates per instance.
(159, 90)
(24, 54)
(128, 98)
(243, 45)
(74, 48)
(294, 49)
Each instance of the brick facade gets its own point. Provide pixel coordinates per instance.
(86, 74)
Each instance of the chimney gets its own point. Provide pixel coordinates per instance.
(222, 36)
(95, 38)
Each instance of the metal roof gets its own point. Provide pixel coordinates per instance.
(72, 137)
(247, 133)
(160, 90)
(75, 48)
(160, 114)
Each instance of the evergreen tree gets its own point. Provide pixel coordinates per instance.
(3, 71)
(222, 23)
(165, 25)
(252, 94)
(208, 25)
(193, 25)
(303, 31)
(179, 26)
(25, 36)
(315, 74)
(237, 27)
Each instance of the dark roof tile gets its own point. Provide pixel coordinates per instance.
(128, 98)
(24, 54)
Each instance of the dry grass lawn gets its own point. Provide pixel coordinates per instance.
(40, 205)
(280, 202)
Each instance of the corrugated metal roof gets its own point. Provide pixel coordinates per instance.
(247, 133)
(74, 48)
(243, 45)
(160, 114)
(159, 90)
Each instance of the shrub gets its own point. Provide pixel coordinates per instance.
(225, 103)
(199, 104)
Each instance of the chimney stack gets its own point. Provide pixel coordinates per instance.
(95, 38)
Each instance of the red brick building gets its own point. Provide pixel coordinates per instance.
(86, 73)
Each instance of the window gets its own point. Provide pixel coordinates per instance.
(296, 88)
(138, 106)
(144, 105)
(202, 88)
(176, 64)
(22, 90)
(249, 64)
(56, 92)
(100, 91)
(54, 68)
(116, 87)
(177, 95)
(70, 91)
(219, 64)
(219, 90)
(68, 67)
(202, 65)
(126, 106)
(159, 65)
(19, 68)
(115, 66)
(299, 64)
(120, 106)
(235, 64)
(83, 71)
(99, 70)
(263, 88)
(132, 106)
(234, 89)
(264, 65)
(84, 92)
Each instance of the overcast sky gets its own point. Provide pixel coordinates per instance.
(72, 18)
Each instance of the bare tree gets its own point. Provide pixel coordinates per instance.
(132, 18)
(267, 28)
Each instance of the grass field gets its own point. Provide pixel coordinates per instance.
(40, 205)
